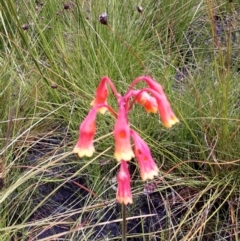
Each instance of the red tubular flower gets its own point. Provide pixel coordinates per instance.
(166, 113)
(124, 194)
(87, 130)
(121, 132)
(148, 168)
(147, 101)
(101, 95)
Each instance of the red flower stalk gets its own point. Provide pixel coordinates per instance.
(150, 82)
(148, 168)
(87, 130)
(154, 85)
(147, 101)
(101, 95)
(121, 132)
(124, 194)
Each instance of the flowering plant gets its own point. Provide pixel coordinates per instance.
(154, 100)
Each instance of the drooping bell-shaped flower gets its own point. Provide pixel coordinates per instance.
(121, 132)
(148, 167)
(166, 113)
(147, 101)
(101, 95)
(87, 130)
(124, 194)
(164, 108)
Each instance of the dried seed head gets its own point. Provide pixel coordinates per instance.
(103, 18)
(140, 9)
(25, 26)
(149, 188)
(66, 6)
(39, 3)
(54, 86)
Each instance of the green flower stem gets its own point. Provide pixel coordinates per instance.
(124, 223)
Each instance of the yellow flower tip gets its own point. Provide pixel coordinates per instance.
(125, 200)
(168, 124)
(149, 175)
(102, 110)
(152, 110)
(84, 152)
(126, 156)
(93, 103)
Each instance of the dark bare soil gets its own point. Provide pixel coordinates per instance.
(54, 199)
(63, 199)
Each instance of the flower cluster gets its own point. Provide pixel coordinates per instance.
(154, 100)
